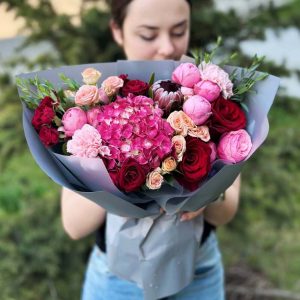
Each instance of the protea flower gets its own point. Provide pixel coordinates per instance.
(167, 95)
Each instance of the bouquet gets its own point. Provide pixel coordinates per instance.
(136, 137)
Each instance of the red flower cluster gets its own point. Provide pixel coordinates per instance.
(42, 122)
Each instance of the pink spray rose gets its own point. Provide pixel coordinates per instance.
(73, 119)
(200, 132)
(87, 95)
(207, 89)
(90, 76)
(234, 146)
(111, 85)
(180, 122)
(179, 144)
(198, 109)
(154, 179)
(186, 74)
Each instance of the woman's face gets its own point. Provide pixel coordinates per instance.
(154, 29)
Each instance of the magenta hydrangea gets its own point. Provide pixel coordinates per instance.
(134, 127)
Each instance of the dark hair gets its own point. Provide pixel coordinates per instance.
(118, 9)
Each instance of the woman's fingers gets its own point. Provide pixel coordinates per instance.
(187, 216)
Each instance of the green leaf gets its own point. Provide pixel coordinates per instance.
(71, 83)
(150, 93)
(57, 121)
(152, 78)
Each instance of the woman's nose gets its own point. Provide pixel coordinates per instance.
(166, 48)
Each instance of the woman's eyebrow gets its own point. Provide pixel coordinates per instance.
(150, 27)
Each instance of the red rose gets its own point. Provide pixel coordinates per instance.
(124, 77)
(42, 116)
(44, 113)
(47, 101)
(136, 87)
(49, 136)
(226, 116)
(131, 176)
(195, 163)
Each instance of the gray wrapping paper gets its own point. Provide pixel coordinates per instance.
(161, 267)
(144, 246)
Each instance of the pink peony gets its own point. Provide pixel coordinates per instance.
(207, 89)
(103, 98)
(213, 148)
(87, 95)
(187, 92)
(234, 146)
(186, 74)
(74, 118)
(217, 75)
(198, 109)
(92, 116)
(86, 142)
(111, 85)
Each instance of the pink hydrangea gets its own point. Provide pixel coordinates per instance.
(134, 127)
(87, 142)
(214, 73)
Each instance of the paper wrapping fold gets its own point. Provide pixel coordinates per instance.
(155, 241)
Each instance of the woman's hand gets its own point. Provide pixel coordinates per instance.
(219, 212)
(187, 216)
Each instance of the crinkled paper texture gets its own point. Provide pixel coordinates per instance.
(144, 246)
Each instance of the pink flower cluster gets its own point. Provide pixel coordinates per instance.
(208, 80)
(133, 127)
(207, 90)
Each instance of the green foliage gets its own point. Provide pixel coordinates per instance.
(38, 260)
(11, 130)
(249, 79)
(263, 232)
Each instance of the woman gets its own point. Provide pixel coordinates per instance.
(150, 30)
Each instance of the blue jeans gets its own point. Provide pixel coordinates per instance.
(208, 283)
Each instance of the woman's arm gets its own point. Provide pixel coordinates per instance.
(80, 216)
(222, 211)
(219, 212)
